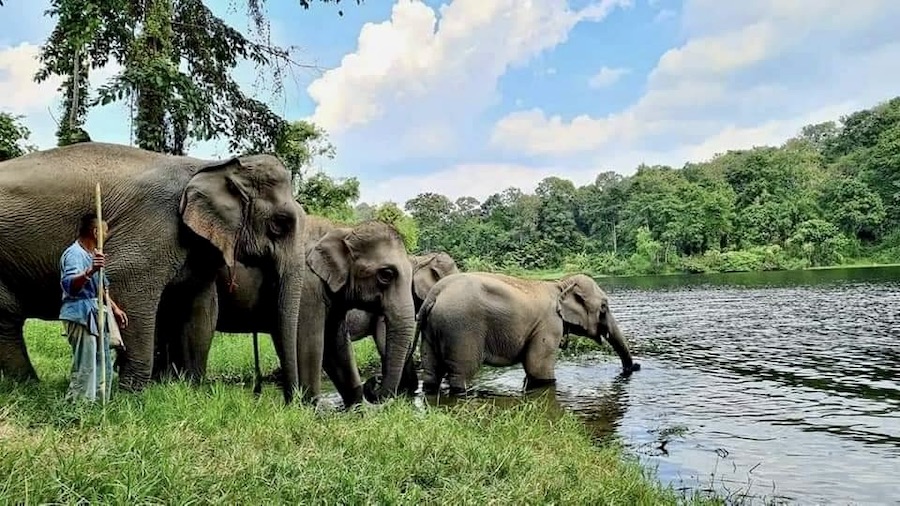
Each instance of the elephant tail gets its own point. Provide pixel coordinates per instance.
(424, 311)
(421, 318)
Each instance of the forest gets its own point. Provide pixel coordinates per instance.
(829, 196)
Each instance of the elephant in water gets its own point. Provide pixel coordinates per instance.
(469, 319)
(364, 266)
(174, 221)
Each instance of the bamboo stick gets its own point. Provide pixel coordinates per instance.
(101, 296)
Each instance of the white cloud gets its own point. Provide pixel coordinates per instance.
(414, 70)
(607, 77)
(470, 179)
(19, 94)
(40, 103)
(457, 181)
(746, 73)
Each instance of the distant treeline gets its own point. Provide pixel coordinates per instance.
(829, 196)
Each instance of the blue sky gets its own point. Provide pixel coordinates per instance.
(469, 97)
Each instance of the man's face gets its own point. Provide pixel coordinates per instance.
(105, 232)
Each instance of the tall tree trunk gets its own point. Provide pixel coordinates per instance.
(153, 50)
(74, 90)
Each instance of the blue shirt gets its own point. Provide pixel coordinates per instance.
(80, 307)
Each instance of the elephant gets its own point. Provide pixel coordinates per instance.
(475, 318)
(428, 269)
(174, 221)
(364, 266)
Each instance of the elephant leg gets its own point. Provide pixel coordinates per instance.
(198, 330)
(310, 347)
(433, 369)
(139, 336)
(540, 363)
(186, 322)
(340, 364)
(161, 356)
(462, 358)
(169, 359)
(14, 361)
(257, 372)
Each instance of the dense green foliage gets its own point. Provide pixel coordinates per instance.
(13, 137)
(176, 61)
(215, 443)
(829, 196)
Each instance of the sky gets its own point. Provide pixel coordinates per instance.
(469, 97)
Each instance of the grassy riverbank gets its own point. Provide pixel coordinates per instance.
(216, 443)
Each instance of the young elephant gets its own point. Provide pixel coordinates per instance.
(473, 318)
(427, 270)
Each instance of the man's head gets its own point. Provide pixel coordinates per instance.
(87, 228)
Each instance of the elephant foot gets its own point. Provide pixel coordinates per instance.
(431, 387)
(627, 370)
(532, 383)
(131, 386)
(460, 392)
(353, 398)
(409, 384)
(372, 390)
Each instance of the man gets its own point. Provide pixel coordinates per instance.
(80, 265)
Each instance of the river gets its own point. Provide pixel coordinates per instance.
(764, 387)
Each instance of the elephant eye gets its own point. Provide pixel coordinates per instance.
(281, 224)
(385, 275)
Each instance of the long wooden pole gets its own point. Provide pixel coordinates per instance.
(101, 298)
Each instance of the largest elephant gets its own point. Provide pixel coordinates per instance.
(174, 221)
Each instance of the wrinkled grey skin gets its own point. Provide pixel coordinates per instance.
(428, 269)
(174, 221)
(364, 266)
(470, 319)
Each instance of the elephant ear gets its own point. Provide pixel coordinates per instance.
(571, 307)
(330, 257)
(212, 206)
(426, 276)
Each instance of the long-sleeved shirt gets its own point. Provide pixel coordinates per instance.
(80, 307)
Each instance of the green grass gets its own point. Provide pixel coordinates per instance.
(216, 443)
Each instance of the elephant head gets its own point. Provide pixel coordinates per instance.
(245, 208)
(584, 309)
(427, 271)
(368, 266)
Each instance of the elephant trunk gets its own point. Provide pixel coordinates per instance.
(617, 341)
(285, 331)
(400, 326)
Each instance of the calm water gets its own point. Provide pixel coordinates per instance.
(780, 386)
